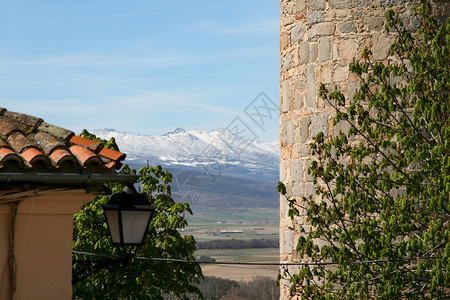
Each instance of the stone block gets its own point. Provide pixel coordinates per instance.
(284, 137)
(343, 126)
(289, 186)
(311, 87)
(362, 3)
(297, 33)
(325, 28)
(282, 239)
(410, 22)
(290, 7)
(300, 85)
(303, 151)
(319, 123)
(285, 96)
(326, 74)
(284, 39)
(303, 128)
(317, 5)
(297, 189)
(288, 241)
(314, 17)
(352, 88)
(340, 74)
(309, 189)
(300, 5)
(381, 47)
(290, 133)
(308, 177)
(287, 61)
(282, 170)
(347, 27)
(348, 49)
(313, 52)
(298, 99)
(389, 3)
(287, 21)
(324, 49)
(304, 52)
(374, 23)
(335, 51)
(296, 170)
(340, 3)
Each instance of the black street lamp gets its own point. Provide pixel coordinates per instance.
(128, 216)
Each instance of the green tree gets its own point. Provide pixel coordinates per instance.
(135, 278)
(380, 216)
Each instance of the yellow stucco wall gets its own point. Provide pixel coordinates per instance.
(43, 243)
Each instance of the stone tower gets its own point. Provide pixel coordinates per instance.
(318, 40)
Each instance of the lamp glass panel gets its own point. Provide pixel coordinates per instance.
(112, 217)
(134, 225)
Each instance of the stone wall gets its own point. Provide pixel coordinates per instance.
(318, 40)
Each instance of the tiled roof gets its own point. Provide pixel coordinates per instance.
(28, 143)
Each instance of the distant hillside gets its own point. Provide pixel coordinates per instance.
(222, 192)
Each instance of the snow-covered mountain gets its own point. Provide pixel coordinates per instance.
(216, 152)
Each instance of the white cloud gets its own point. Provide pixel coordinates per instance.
(77, 60)
(261, 27)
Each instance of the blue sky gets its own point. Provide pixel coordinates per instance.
(144, 67)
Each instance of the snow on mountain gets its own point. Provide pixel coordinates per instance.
(215, 152)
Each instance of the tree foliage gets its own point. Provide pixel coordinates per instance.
(135, 278)
(260, 287)
(239, 244)
(380, 214)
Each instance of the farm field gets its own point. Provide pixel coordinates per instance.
(236, 224)
(245, 215)
(240, 273)
(254, 224)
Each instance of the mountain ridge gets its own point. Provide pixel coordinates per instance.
(215, 152)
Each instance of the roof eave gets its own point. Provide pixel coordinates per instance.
(67, 178)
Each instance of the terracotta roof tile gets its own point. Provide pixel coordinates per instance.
(26, 123)
(7, 155)
(3, 143)
(61, 156)
(111, 165)
(6, 127)
(47, 142)
(112, 154)
(34, 156)
(56, 131)
(28, 143)
(90, 144)
(84, 155)
(23, 118)
(19, 142)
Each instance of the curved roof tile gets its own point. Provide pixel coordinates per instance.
(3, 143)
(61, 156)
(19, 142)
(84, 155)
(112, 154)
(33, 156)
(90, 144)
(6, 127)
(7, 155)
(30, 142)
(47, 142)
